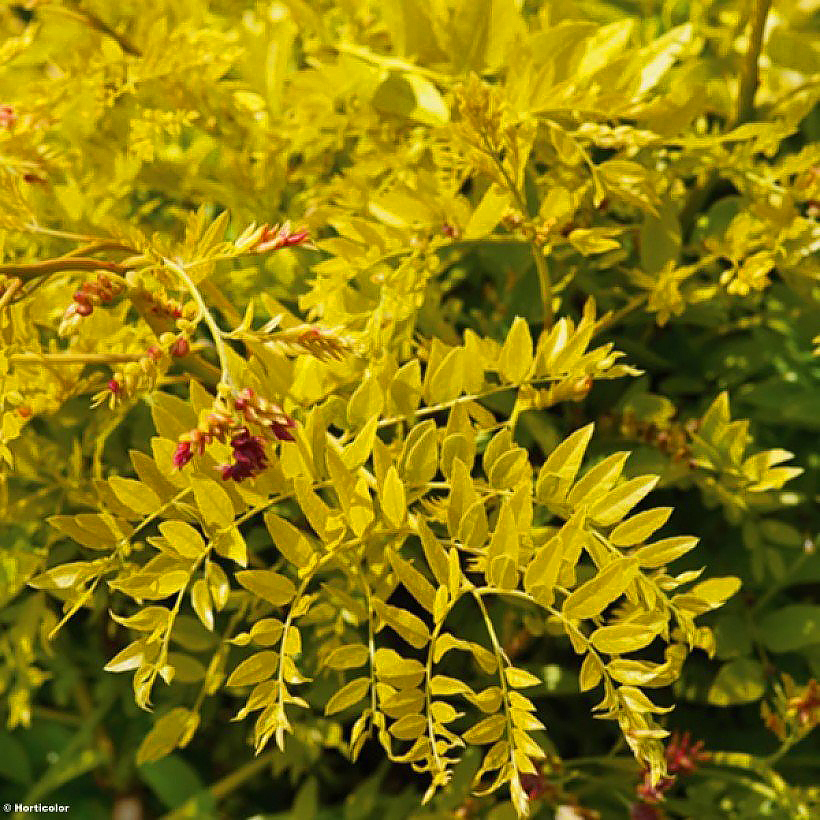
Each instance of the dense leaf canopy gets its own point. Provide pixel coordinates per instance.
(400, 386)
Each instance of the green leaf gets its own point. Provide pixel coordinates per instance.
(135, 495)
(618, 502)
(791, 628)
(409, 626)
(393, 499)
(516, 354)
(174, 782)
(591, 598)
(417, 585)
(173, 729)
(350, 656)
(488, 214)
(715, 591)
(486, 731)
(621, 638)
(664, 551)
(291, 542)
(738, 681)
(230, 544)
(520, 678)
(411, 96)
(213, 502)
(638, 528)
(14, 762)
(559, 470)
(201, 602)
(660, 239)
(268, 585)
(183, 538)
(257, 668)
(350, 693)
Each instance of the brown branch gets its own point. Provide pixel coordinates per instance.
(93, 21)
(32, 270)
(750, 75)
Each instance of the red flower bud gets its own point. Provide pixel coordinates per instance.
(182, 454)
(7, 116)
(114, 386)
(180, 347)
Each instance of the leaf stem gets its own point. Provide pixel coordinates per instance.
(749, 80)
(207, 316)
(544, 280)
(750, 72)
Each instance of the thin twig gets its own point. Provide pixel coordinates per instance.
(74, 358)
(32, 270)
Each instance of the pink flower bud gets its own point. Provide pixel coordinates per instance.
(182, 454)
(180, 347)
(7, 116)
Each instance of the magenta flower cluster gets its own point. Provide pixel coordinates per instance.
(248, 457)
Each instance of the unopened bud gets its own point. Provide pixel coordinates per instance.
(180, 347)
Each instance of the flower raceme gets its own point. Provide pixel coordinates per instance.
(272, 239)
(102, 291)
(230, 419)
(144, 373)
(682, 758)
(249, 457)
(8, 117)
